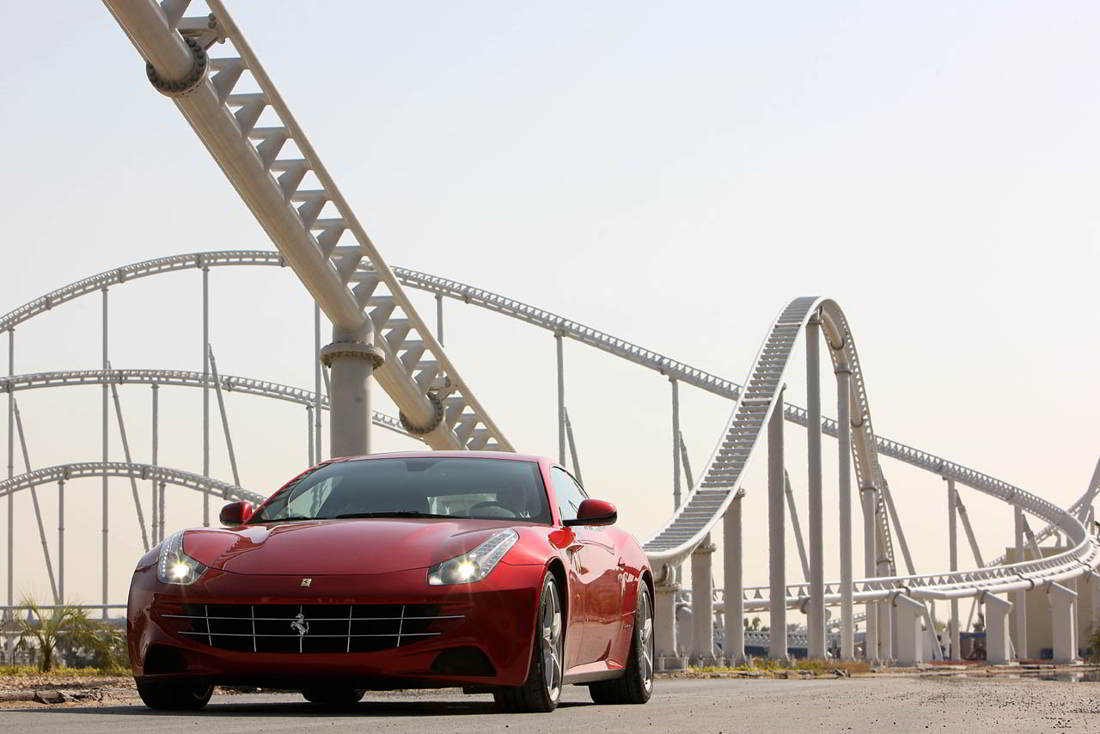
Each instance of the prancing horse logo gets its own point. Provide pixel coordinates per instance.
(306, 582)
(300, 625)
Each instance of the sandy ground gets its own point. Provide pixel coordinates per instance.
(903, 704)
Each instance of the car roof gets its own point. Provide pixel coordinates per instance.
(501, 455)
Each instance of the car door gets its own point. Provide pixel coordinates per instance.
(595, 560)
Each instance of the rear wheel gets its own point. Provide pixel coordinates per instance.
(333, 696)
(175, 695)
(635, 685)
(541, 691)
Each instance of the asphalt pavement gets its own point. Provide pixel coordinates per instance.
(721, 706)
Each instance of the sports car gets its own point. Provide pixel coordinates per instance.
(490, 571)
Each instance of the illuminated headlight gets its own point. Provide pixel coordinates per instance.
(475, 565)
(175, 566)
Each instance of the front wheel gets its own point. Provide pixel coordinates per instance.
(175, 695)
(541, 691)
(635, 685)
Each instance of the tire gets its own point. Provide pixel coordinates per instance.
(175, 695)
(635, 685)
(541, 691)
(333, 696)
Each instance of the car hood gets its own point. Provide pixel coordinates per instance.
(352, 546)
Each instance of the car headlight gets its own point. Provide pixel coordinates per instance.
(475, 565)
(175, 566)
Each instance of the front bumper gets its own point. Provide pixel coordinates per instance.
(492, 620)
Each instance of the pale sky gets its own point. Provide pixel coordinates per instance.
(671, 174)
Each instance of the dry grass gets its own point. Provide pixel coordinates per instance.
(766, 665)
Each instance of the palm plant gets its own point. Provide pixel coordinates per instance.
(48, 628)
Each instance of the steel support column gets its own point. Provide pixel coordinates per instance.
(733, 583)
(702, 604)
(61, 540)
(157, 509)
(163, 510)
(129, 459)
(205, 392)
(816, 621)
(796, 528)
(309, 436)
(676, 495)
(561, 398)
(317, 369)
(105, 506)
(224, 416)
(572, 447)
(37, 508)
(439, 318)
(11, 473)
(351, 359)
(844, 485)
(870, 569)
(777, 571)
(953, 564)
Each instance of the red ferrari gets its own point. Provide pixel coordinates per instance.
(489, 571)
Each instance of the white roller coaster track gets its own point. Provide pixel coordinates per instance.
(995, 577)
(148, 472)
(181, 378)
(351, 282)
(306, 219)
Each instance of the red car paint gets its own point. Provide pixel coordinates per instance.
(384, 561)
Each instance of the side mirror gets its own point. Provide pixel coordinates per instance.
(595, 512)
(236, 513)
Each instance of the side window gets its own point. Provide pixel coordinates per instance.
(569, 493)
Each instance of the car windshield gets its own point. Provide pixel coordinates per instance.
(413, 487)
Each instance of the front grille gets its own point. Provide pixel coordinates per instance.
(311, 628)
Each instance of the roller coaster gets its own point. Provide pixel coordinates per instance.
(236, 110)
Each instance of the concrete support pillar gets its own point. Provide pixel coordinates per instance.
(777, 572)
(734, 638)
(885, 628)
(815, 622)
(1064, 632)
(665, 625)
(844, 486)
(870, 566)
(910, 632)
(1019, 611)
(953, 565)
(702, 605)
(352, 359)
(1092, 587)
(998, 648)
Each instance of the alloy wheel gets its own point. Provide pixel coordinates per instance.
(552, 639)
